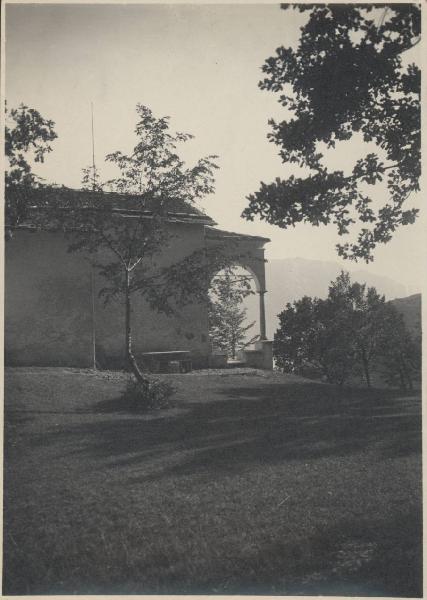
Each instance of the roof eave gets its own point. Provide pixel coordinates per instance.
(213, 233)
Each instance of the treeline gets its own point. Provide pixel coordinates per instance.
(353, 332)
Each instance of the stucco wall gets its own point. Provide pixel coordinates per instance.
(47, 303)
(49, 313)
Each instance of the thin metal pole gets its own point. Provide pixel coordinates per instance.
(92, 285)
(93, 153)
(92, 281)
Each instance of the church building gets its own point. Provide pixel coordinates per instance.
(54, 316)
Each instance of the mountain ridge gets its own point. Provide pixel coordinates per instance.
(292, 278)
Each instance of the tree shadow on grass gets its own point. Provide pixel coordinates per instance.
(240, 426)
(237, 428)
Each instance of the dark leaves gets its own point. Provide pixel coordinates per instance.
(353, 330)
(345, 77)
(27, 135)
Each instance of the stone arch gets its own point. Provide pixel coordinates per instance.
(239, 275)
(250, 256)
(249, 268)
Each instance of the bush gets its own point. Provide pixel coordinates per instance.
(156, 396)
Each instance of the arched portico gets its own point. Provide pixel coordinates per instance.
(258, 276)
(247, 251)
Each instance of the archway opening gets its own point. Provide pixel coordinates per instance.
(233, 311)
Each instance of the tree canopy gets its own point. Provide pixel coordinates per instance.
(27, 138)
(354, 331)
(346, 78)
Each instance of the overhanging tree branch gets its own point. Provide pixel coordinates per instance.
(343, 86)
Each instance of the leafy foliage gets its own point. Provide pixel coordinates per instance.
(91, 179)
(353, 331)
(400, 359)
(27, 136)
(346, 78)
(312, 334)
(227, 319)
(364, 313)
(154, 167)
(155, 396)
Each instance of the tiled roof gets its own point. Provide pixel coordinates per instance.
(126, 204)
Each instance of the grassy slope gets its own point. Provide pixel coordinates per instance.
(254, 484)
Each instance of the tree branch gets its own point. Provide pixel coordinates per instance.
(411, 46)
(110, 245)
(135, 263)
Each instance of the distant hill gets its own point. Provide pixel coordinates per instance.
(410, 307)
(291, 278)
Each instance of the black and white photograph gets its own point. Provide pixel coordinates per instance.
(214, 257)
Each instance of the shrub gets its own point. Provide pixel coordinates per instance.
(154, 396)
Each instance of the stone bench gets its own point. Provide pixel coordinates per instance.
(174, 361)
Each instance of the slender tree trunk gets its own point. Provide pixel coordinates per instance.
(233, 346)
(130, 359)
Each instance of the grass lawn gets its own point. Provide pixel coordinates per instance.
(254, 483)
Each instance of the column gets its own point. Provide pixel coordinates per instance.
(262, 330)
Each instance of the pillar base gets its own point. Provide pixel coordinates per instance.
(261, 357)
(266, 346)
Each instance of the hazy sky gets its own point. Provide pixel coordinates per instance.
(200, 64)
